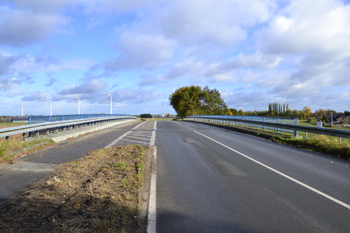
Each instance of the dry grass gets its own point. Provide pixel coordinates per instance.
(321, 144)
(10, 124)
(98, 193)
(11, 149)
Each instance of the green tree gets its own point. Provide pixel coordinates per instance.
(241, 112)
(146, 115)
(296, 113)
(194, 100)
(307, 110)
(234, 111)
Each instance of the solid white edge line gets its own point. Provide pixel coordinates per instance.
(278, 172)
(152, 205)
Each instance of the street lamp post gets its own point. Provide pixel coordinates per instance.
(110, 97)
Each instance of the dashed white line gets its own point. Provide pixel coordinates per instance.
(276, 171)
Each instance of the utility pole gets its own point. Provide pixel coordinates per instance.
(50, 107)
(110, 97)
(22, 108)
(78, 106)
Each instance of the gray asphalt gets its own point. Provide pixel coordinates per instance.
(205, 187)
(15, 178)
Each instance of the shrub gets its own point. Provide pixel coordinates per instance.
(146, 115)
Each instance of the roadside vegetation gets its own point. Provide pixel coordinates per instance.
(10, 124)
(97, 193)
(322, 144)
(11, 149)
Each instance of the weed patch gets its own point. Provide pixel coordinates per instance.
(321, 144)
(90, 194)
(9, 149)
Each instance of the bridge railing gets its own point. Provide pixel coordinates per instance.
(56, 125)
(42, 119)
(271, 125)
(282, 120)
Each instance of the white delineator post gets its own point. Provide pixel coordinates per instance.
(22, 108)
(78, 106)
(110, 97)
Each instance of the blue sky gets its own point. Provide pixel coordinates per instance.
(253, 51)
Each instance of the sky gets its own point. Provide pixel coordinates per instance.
(253, 51)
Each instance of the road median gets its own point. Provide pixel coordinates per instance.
(102, 192)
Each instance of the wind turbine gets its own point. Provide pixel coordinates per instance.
(50, 107)
(78, 106)
(110, 97)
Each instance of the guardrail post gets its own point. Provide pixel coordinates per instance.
(37, 133)
(24, 136)
(29, 120)
(340, 139)
(278, 121)
(296, 123)
(273, 130)
(7, 137)
(264, 126)
(282, 131)
(48, 131)
(305, 135)
(56, 129)
(258, 127)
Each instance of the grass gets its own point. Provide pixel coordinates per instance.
(10, 149)
(321, 144)
(90, 194)
(10, 124)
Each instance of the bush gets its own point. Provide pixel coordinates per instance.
(146, 115)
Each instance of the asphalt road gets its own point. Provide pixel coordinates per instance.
(204, 186)
(15, 178)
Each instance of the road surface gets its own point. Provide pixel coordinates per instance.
(213, 180)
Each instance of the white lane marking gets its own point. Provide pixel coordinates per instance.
(117, 140)
(152, 206)
(276, 171)
(133, 141)
(153, 139)
(143, 138)
(139, 125)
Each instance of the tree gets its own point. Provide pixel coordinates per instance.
(194, 101)
(146, 115)
(241, 112)
(307, 110)
(296, 113)
(234, 111)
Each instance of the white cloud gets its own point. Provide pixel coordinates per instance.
(21, 27)
(88, 87)
(140, 51)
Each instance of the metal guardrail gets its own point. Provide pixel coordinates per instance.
(295, 128)
(7, 132)
(41, 119)
(283, 120)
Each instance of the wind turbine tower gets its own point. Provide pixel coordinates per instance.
(110, 97)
